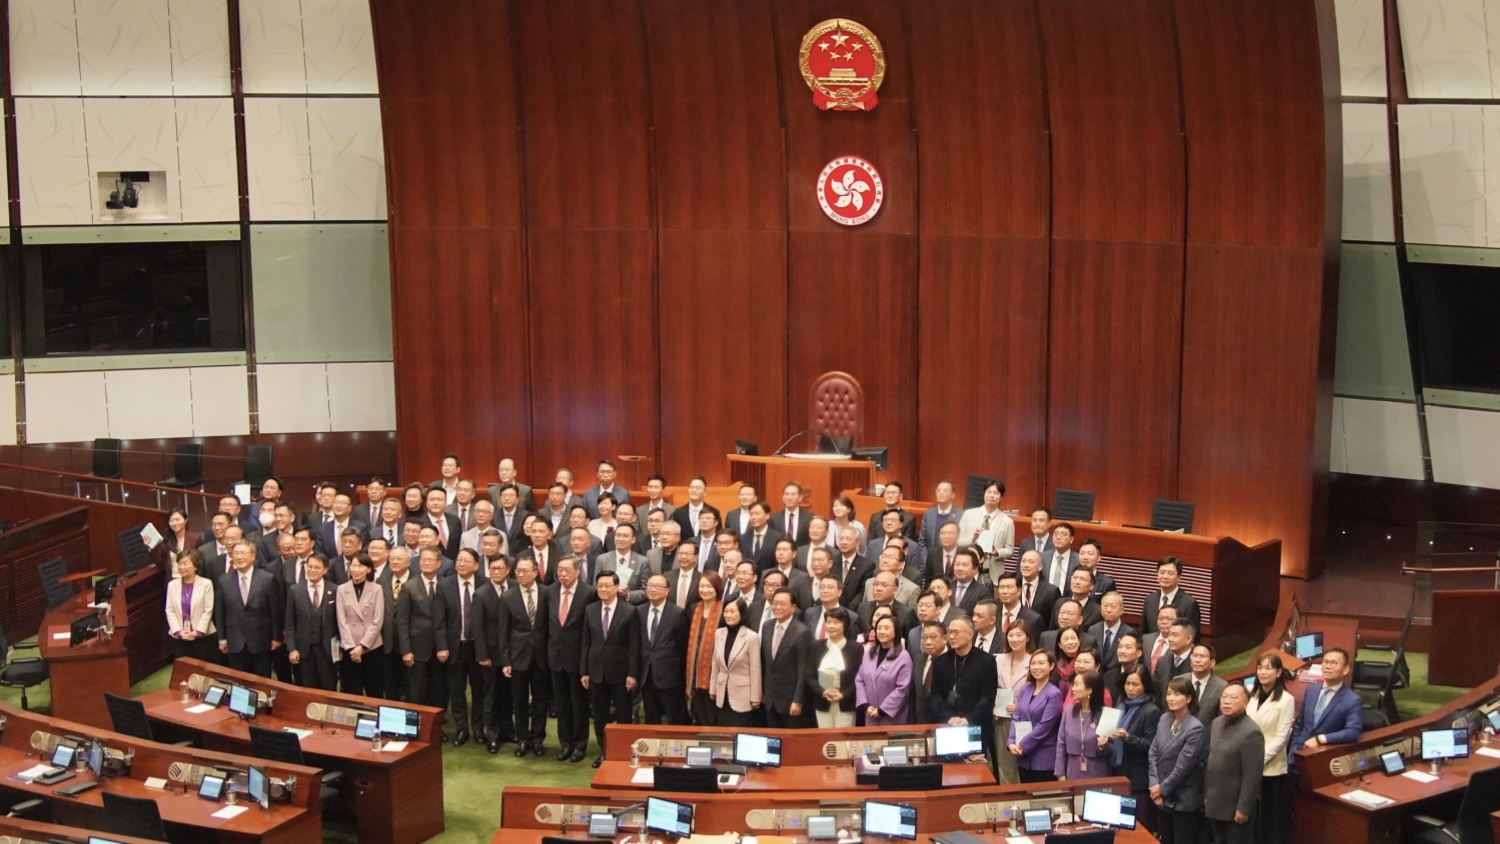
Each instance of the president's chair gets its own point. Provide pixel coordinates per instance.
(836, 406)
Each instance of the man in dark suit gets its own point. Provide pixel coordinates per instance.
(397, 574)
(446, 524)
(510, 515)
(369, 512)
(457, 649)
(784, 647)
(214, 552)
(312, 626)
(389, 522)
(885, 596)
(817, 537)
(1128, 654)
(686, 515)
(746, 586)
(1169, 593)
(1207, 686)
(1040, 539)
(322, 509)
(566, 600)
(1011, 610)
(893, 493)
(664, 631)
(968, 589)
(629, 566)
(934, 643)
(1037, 594)
(524, 614)
(1332, 714)
(499, 714)
(737, 520)
(792, 520)
(682, 581)
(421, 623)
(1057, 567)
(285, 523)
(796, 579)
(349, 547)
(1177, 660)
(543, 552)
(246, 614)
(1081, 589)
(890, 527)
(830, 593)
(963, 681)
(331, 532)
(605, 473)
(944, 512)
(585, 546)
(462, 505)
(506, 472)
(987, 636)
(1110, 627)
(759, 544)
(1090, 552)
(611, 666)
(1069, 617)
(852, 568)
(942, 553)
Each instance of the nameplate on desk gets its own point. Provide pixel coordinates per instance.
(643, 776)
(1488, 751)
(1420, 776)
(156, 782)
(200, 709)
(231, 812)
(61, 636)
(394, 747)
(1365, 798)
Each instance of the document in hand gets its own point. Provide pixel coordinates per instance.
(1109, 721)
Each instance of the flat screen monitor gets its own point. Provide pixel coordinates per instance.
(1036, 821)
(751, 749)
(364, 727)
(214, 696)
(822, 828)
(105, 588)
(1494, 718)
(890, 820)
(1309, 646)
(668, 818)
(1250, 683)
(258, 786)
(242, 702)
(603, 825)
(963, 740)
(82, 629)
(399, 723)
(96, 759)
(701, 756)
(1392, 762)
(1107, 809)
(62, 755)
(211, 787)
(1445, 744)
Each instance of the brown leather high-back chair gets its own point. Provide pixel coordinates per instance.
(836, 406)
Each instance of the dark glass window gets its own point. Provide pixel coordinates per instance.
(1458, 308)
(112, 298)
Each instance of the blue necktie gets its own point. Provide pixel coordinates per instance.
(655, 622)
(1322, 704)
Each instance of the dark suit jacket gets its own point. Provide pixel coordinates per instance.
(673, 577)
(933, 565)
(853, 655)
(328, 545)
(933, 521)
(813, 616)
(785, 680)
(521, 643)
(800, 582)
(525, 501)
(664, 659)
(1091, 614)
(974, 689)
(1027, 615)
(513, 535)
(1109, 660)
(854, 581)
(1047, 567)
(690, 527)
(1187, 607)
(1030, 544)
(732, 521)
(766, 557)
(451, 594)
(1165, 671)
(976, 591)
(252, 625)
(554, 551)
(267, 545)
(905, 618)
(591, 498)
(908, 523)
(920, 710)
(565, 640)
(307, 629)
(1044, 600)
(804, 515)
(610, 657)
(421, 622)
(455, 533)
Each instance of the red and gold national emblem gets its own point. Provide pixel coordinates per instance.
(850, 190)
(843, 64)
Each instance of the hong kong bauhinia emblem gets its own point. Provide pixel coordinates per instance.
(843, 64)
(850, 190)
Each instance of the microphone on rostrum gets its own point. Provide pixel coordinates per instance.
(789, 440)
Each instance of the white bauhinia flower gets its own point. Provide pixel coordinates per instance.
(850, 191)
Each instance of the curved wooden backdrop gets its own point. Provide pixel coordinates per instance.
(1106, 260)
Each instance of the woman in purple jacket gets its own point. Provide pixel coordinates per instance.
(1033, 727)
(1081, 752)
(884, 677)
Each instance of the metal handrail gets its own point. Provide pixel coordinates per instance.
(95, 479)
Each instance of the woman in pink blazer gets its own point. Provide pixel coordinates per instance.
(735, 679)
(360, 605)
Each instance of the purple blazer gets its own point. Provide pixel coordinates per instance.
(1044, 710)
(1077, 741)
(884, 686)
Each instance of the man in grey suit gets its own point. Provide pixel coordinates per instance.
(630, 567)
(1177, 659)
(397, 573)
(1236, 759)
(682, 581)
(1110, 627)
(311, 627)
(246, 613)
(1208, 686)
(655, 486)
(420, 625)
(510, 515)
(369, 512)
(506, 472)
(1057, 567)
(784, 647)
(934, 643)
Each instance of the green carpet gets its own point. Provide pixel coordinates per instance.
(1413, 702)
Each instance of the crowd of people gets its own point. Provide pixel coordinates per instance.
(528, 604)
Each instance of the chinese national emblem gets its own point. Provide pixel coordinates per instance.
(850, 190)
(843, 64)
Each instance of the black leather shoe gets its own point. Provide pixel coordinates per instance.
(493, 747)
(565, 753)
(598, 760)
(578, 754)
(521, 750)
(537, 749)
(461, 739)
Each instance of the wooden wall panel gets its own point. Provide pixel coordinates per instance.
(590, 251)
(721, 207)
(982, 278)
(1115, 323)
(851, 302)
(453, 181)
(1259, 302)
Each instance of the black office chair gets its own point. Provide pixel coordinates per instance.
(56, 591)
(684, 780)
(187, 468)
(1073, 505)
(105, 465)
(25, 809)
(1371, 718)
(282, 746)
(133, 549)
(4, 524)
(910, 778)
(128, 717)
(1371, 675)
(1472, 826)
(974, 490)
(137, 817)
(258, 467)
(21, 672)
(1172, 515)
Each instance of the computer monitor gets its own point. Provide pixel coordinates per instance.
(211, 787)
(214, 696)
(890, 820)
(1392, 762)
(105, 588)
(1107, 809)
(1309, 646)
(242, 702)
(1250, 683)
(603, 825)
(364, 727)
(96, 759)
(62, 755)
(667, 818)
(685, 780)
(954, 742)
(1445, 744)
(761, 751)
(258, 786)
(82, 629)
(1494, 719)
(399, 723)
(700, 756)
(1036, 821)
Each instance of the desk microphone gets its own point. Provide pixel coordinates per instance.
(789, 441)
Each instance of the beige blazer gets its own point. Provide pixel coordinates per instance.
(1275, 720)
(736, 677)
(360, 619)
(202, 620)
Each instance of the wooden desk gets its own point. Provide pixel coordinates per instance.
(396, 798)
(798, 747)
(299, 822)
(525, 836)
(50, 535)
(38, 831)
(1337, 633)
(795, 778)
(81, 675)
(822, 477)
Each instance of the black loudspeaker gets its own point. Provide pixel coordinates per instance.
(747, 449)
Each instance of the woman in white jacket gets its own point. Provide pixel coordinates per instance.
(190, 611)
(735, 681)
(1274, 710)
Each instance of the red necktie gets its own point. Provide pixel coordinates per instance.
(1028, 595)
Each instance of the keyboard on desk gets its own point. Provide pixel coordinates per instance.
(76, 788)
